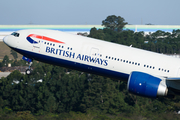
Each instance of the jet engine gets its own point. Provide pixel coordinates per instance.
(146, 85)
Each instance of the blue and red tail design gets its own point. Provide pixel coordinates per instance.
(29, 38)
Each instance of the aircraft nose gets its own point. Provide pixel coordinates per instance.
(5, 40)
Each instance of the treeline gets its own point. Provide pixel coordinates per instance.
(52, 89)
(159, 41)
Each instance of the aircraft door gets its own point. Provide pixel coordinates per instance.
(37, 43)
(94, 52)
(178, 74)
(17, 40)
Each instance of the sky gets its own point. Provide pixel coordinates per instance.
(88, 12)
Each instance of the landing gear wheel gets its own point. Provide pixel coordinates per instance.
(28, 71)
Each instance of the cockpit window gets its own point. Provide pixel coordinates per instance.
(15, 34)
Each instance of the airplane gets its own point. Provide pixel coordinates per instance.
(147, 73)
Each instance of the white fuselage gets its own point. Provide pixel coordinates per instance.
(92, 55)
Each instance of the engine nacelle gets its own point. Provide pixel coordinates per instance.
(146, 85)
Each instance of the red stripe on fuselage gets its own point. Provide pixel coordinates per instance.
(45, 38)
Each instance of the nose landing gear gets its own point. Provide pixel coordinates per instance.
(28, 71)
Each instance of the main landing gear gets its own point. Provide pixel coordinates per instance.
(28, 71)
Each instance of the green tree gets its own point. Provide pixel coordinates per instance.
(14, 54)
(102, 94)
(5, 60)
(1, 64)
(115, 23)
(98, 34)
(51, 105)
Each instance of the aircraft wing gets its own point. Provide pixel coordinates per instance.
(173, 79)
(173, 83)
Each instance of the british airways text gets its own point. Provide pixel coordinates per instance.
(79, 56)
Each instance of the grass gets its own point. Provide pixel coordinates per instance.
(27, 115)
(5, 50)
